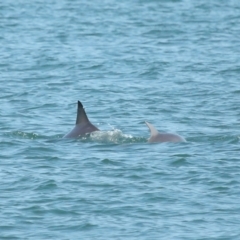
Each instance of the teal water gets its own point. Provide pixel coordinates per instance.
(173, 63)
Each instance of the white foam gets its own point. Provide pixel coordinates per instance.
(113, 136)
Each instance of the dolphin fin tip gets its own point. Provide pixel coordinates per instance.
(80, 104)
(152, 129)
(147, 123)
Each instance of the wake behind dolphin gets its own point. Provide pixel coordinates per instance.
(83, 125)
(162, 137)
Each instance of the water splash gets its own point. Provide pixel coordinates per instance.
(115, 136)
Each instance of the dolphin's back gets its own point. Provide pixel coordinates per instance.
(156, 136)
(166, 137)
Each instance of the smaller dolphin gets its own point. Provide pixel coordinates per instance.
(162, 137)
(83, 125)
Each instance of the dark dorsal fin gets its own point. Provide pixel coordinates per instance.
(81, 115)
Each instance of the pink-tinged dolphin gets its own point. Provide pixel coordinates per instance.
(162, 137)
(83, 125)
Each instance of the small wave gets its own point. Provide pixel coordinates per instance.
(231, 139)
(24, 135)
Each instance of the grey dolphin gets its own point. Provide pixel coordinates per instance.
(162, 137)
(83, 125)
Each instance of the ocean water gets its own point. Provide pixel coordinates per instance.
(174, 63)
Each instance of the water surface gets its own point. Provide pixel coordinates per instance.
(172, 63)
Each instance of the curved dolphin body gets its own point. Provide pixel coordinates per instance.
(162, 137)
(83, 125)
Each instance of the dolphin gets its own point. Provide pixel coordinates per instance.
(83, 125)
(162, 137)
